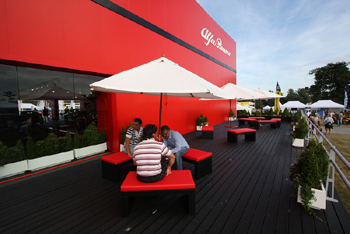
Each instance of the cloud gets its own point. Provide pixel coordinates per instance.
(283, 40)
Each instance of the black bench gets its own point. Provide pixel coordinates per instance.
(178, 182)
(202, 161)
(208, 132)
(111, 165)
(241, 121)
(258, 123)
(232, 134)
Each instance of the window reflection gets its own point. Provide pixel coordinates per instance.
(9, 121)
(47, 101)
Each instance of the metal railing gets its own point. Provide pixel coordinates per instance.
(313, 131)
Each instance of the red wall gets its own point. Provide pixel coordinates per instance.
(83, 35)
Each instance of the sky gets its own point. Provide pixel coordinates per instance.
(282, 40)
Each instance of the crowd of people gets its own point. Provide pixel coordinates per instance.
(327, 118)
(154, 158)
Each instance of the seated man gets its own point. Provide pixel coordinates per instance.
(152, 158)
(176, 143)
(133, 136)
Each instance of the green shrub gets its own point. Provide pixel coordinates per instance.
(101, 137)
(69, 142)
(285, 112)
(231, 114)
(297, 116)
(311, 168)
(3, 151)
(91, 135)
(201, 120)
(301, 129)
(77, 141)
(31, 151)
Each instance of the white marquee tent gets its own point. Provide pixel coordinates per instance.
(294, 104)
(326, 104)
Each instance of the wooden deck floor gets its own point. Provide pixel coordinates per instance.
(246, 193)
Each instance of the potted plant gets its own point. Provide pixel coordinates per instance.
(49, 152)
(231, 115)
(201, 121)
(299, 133)
(307, 175)
(286, 116)
(90, 143)
(12, 159)
(123, 137)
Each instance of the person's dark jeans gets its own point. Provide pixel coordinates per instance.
(159, 177)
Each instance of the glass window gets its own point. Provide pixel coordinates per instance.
(44, 101)
(9, 120)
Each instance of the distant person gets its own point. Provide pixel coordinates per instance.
(340, 119)
(176, 143)
(316, 121)
(328, 124)
(46, 114)
(152, 158)
(133, 136)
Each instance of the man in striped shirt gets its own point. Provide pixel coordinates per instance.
(133, 136)
(152, 158)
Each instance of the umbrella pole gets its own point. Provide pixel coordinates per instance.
(160, 114)
(260, 108)
(229, 115)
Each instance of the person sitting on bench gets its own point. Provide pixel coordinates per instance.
(176, 143)
(152, 159)
(133, 136)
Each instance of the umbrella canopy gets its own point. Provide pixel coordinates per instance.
(267, 95)
(158, 77)
(294, 104)
(161, 76)
(267, 107)
(241, 92)
(52, 93)
(326, 104)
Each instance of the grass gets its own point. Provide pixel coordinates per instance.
(341, 142)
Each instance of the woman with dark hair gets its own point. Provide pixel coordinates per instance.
(152, 158)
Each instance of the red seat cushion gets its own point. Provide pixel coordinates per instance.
(207, 128)
(181, 179)
(116, 158)
(247, 119)
(266, 121)
(278, 119)
(197, 155)
(241, 130)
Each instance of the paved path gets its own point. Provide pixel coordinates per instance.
(338, 130)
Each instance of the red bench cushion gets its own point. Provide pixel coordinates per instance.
(247, 119)
(181, 179)
(207, 128)
(266, 121)
(278, 119)
(196, 155)
(241, 130)
(116, 158)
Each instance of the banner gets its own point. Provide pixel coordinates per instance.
(346, 96)
(277, 100)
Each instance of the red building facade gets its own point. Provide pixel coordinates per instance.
(109, 36)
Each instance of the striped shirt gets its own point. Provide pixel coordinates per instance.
(134, 135)
(147, 156)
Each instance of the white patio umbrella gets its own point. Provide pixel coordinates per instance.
(160, 77)
(240, 93)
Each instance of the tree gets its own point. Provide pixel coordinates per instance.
(291, 96)
(330, 82)
(303, 96)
